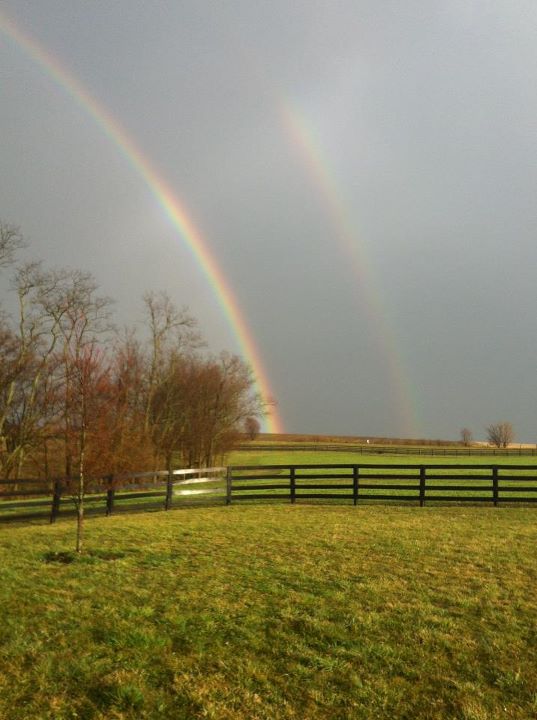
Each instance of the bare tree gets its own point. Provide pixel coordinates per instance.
(500, 434)
(467, 437)
(29, 355)
(200, 405)
(252, 427)
(123, 444)
(170, 330)
(83, 318)
(11, 240)
(231, 398)
(15, 372)
(168, 410)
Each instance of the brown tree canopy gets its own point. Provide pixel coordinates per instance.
(200, 405)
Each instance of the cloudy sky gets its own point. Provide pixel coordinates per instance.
(363, 174)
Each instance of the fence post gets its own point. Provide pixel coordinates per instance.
(422, 486)
(110, 495)
(355, 476)
(495, 485)
(56, 498)
(169, 490)
(228, 485)
(292, 484)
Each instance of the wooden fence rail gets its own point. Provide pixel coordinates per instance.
(28, 499)
(390, 482)
(415, 483)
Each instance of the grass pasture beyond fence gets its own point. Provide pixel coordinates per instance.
(315, 455)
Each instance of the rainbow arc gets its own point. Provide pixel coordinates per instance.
(303, 138)
(174, 209)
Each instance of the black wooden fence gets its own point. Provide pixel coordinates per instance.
(356, 483)
(391, 482)
(37, 499)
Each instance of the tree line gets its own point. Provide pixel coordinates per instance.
(78, 398)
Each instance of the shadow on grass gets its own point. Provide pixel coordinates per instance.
(59, 557)
(65, 557)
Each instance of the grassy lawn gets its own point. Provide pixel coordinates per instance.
(273, 611)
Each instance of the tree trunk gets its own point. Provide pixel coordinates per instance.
(79, 519)
(81, 488)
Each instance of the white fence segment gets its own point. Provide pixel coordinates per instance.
(191, 471)
(213, 491)
(209, 475)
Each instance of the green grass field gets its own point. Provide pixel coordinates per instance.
(283, 457)
(273, 612)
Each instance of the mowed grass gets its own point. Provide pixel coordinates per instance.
(274, 611)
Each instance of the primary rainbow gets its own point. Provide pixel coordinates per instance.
(302, 136)
(173, 208)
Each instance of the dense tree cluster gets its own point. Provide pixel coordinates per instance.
(78, 399)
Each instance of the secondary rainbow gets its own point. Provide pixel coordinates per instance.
(303, 138)
(174, 209)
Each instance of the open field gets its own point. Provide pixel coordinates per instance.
(273, 612)
(290, 456)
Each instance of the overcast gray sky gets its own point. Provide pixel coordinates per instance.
(364, 173)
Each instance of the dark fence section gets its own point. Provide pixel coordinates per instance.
(38, 500)
(396, 449)
(356, 483)
(392, 482)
